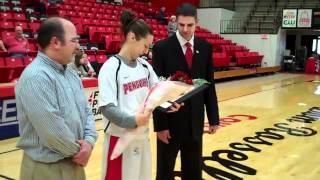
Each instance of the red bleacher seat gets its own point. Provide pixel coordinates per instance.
(67, 7)
(33, 46)
(5, 74)
(7, 34)
(90, 52)
(19, 16)
(241, 58)
(34, 26)
(5, 15)
(90, 15)
(3, 54)
(16, 65)
(101, 52)
(76, 20)
(62, 13)
(14, 62)
(92, 58)
(86, 21)
(32, 53)
(254, 57)
(112, 43)
(6, 25)
(106, 16)
(79, 28)
(76, 8)
(101, 11)
(101, 58)
(81, 14)
(2, 64)
(28, 60)
(220, 60)
(71, 13)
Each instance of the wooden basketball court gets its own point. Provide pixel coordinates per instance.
(269, 130)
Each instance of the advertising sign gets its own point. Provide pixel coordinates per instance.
(304, 18)
(289, 18)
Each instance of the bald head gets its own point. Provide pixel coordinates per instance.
(58, 39)
(52, 27)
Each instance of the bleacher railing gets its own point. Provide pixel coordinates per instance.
(242, 27)
(226, 4)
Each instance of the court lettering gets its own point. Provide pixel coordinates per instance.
(229, 159)
(8, 111)
(231, 119)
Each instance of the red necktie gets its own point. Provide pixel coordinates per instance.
(189, 54)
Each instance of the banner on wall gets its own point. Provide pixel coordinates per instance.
(92, 95)
(289, 18)
(316, 18)
(304, 18)
(8, 113)
(8, 120)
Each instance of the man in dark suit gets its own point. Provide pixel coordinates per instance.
(183, 130)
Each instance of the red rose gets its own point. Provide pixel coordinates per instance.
(189, 81)
(181, 76)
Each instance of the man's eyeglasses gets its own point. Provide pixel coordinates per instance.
(75, 39)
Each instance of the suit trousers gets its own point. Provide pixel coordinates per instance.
(190, 154)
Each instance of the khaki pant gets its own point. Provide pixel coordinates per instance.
(61, 170)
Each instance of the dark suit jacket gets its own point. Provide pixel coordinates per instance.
(188, 122)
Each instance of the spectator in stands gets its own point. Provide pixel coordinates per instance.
(18, 45)
(41, 9)
(150, 12)
(162, 16)
(108, 1)
(82, 66)
(172, 26)
(118, 2)
(55, 2)
(183, 130)
(2, 47)
(57, 128)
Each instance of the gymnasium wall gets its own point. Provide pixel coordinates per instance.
(272, 46)
(210, 18)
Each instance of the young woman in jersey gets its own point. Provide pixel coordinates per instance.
(124, 81)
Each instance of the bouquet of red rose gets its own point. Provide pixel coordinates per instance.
(170, 90)
(167, 90)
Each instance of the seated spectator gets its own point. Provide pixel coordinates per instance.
(55, 2)
(118, 2)
(162, 16)
(41, 8)
(172, 26)
(16, 46)
(2, 47)
(82, 66)
(150, 12)
(108, 1)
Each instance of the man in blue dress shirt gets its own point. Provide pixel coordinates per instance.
(56, 124)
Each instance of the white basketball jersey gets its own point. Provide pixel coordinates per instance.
(133, 85)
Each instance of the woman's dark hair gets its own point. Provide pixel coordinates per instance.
(130, 23)
(77, 58)
(186, 9)
(51, 27)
